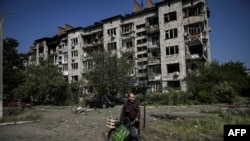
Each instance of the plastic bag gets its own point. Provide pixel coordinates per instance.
(121, 133)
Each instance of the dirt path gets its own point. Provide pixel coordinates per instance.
(60, 124)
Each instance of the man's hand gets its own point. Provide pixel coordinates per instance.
(136, 119)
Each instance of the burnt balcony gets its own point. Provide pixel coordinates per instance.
(128, 35)
(97, 42)
(154, 77)
(193, 39)
(152, 29)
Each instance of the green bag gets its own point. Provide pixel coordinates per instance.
(121, 133)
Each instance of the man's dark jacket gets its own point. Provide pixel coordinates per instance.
(130, 110)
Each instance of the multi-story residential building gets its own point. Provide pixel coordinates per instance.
(165, 39)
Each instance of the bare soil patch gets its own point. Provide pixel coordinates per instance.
(61, 124)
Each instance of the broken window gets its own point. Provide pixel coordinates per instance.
(173, 67)
(141, 41)
(172, 33)
(74, 41)
(143, 33)
(88, 40)
(140, 26)
(128, 44)
(111, 32)
(196, 49)
(142, 63)
(142, 55)
(75, 78)
(144, 71)
(170, 17)
(112, 46)
(88, 64)
(174, 84)
(141, 48)
(74, 53)
(127, 28)
(64, 43)
(74, 66)
(171, 50)
(41, 50)
(65, 57)
(153, 21)
(194, 11)
(194, 28)
(155, 40)
(155, 70)
(154, 53)
(65, 67)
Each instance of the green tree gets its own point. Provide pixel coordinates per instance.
(45, 83)
(235, 73)
(12, 66)
(218, 82)
(110, 73)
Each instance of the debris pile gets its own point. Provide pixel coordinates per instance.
(80, 109)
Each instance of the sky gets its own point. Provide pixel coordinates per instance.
(28, 20)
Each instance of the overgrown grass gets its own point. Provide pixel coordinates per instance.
(199, 129)
(184, 98)
(19, 114)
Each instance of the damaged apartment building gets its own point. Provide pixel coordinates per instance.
(165, 40)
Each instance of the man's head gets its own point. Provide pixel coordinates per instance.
(131, 97)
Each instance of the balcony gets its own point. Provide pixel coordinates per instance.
(86, 58)
(128, 35)
(65, 49)
(193, 39)
(154, 61)
(152, 29)
(65, 73)
(154, 45)
(127, 49)
(154, 77)
(193, 19)
(97, 42)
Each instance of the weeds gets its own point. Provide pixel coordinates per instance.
(199, 129)
(19, 114)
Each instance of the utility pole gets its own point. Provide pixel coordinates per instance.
(1, 66)
(1, 62)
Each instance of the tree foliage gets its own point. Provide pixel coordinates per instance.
(44, 82)
(12, 66)
(218, 82)
(109, 73)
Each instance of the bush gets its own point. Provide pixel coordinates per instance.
(224, 92)
(205, 97)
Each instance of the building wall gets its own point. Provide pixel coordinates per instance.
(191, 46)
(175, 6)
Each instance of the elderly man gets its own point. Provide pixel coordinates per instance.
(131, 110)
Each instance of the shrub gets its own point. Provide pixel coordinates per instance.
(205, 97)
(224, 92)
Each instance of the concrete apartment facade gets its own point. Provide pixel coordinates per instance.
(164, 39)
